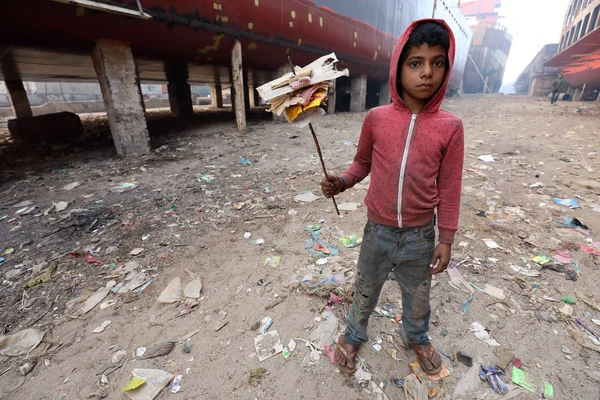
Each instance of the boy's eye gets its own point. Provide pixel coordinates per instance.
(438, 63)
(414, 64)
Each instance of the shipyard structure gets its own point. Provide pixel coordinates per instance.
(578, 54)
(233, 45)
(490, 46)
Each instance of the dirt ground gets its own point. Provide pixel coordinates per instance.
(193, 202)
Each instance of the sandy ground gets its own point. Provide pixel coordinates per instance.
(194, 201)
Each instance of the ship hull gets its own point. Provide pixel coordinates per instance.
(202, 32)
(488, 55)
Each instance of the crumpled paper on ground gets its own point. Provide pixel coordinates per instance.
(20, 343)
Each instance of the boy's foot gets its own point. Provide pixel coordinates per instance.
(430, 360)
(344, 356)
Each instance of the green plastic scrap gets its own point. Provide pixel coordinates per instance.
(207, 178)
(525, 380)
(351, 241)
(569, 300)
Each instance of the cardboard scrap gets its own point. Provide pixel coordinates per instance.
(146, 383)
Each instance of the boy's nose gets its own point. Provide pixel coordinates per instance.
(427, 70)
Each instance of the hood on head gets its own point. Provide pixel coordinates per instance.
(435, 102)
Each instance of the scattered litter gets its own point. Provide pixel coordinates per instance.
(147, 383)
(172, 293)
(158, 350)
(348, 206)
(458, 282)
(494, 292)
(307, 197)
(321, 248)
(246, 161)
(482, 334)
(123, 187)
(418, 371)
(71, 186)
(541, 260)
(525, 271)
(41, 276)
(292, 345)
(25, 210)
(567, 310)
(590, 250)
(192, 289)
(492, 375)
(174, 384)
(102, 326)
(94, 299)
(26, 368)
(91, 260)
(207, 178)
(464, 359)
(491, 244)
(265, 324)
(140, 351)
(20, 343)
(587, 299)
(351, 241)
(325, 332)
(571, 203)
(273, 261)
(486, 158)
(60, 206)
(247, 235)
(526, 381)
(268, 345)
(584, 341)
(469, 383)
(568, 300)
(136, 251)
(398, 382)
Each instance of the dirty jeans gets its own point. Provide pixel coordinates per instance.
(405, 252)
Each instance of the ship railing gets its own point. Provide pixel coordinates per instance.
(491, 25)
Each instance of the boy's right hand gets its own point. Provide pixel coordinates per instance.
(332, 186)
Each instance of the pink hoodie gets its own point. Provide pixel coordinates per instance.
(415, 161)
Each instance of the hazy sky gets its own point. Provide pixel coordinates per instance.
(533, 24)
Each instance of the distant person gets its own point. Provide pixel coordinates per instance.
(558, 84)
(414, 152)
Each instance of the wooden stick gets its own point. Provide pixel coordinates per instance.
(314, 135)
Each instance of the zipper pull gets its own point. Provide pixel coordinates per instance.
(414, 117)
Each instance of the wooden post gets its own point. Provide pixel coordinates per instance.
(582, 92)
(238, 86)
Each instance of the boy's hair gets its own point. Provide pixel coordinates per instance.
(431, 33)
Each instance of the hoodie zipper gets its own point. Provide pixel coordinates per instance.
(403, 166)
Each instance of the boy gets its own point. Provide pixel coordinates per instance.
(414, 152)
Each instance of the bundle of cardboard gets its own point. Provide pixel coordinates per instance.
(301, 93)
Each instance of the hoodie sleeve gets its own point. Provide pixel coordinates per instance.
(361, 167)
(450, 185)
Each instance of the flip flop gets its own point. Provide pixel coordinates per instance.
(344, 368)
(422, 355)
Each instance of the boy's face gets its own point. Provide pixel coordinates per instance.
(423, 73)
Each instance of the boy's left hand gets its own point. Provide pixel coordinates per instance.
(441, 254)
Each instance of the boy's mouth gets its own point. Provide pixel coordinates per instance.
(425, 85)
